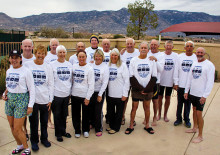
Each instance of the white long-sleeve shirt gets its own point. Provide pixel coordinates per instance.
(169, 74)
(62, 73)
(101, 74)
(20, 80)
(200, 79)
(24, 60)
(160, 56)
(142, 70)
(83, 81)
(90, 51)
(50, 57)
(43, 81)
(107, 57)
(119, 81)
(184, 64)
(126, 57)
(73, 59)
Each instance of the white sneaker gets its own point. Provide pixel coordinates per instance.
(77, 135)
(86, 134)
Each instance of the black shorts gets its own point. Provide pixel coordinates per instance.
(196, 102)
(168, 91)
(156, 89)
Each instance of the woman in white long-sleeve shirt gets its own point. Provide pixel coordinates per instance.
(62, 71)
(82, 90)
(19, 99)
(44, 86)
(101, 74)
(118, 87)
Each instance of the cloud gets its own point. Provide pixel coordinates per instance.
(22, 8)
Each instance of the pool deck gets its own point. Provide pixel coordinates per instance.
(167, 140)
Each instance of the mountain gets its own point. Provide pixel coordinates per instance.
(99, 21)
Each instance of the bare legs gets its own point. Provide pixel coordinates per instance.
(195, 123)
(155, 107)
(16, 129)
(166, 107)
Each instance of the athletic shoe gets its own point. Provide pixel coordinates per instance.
(46, 143)
(177, 122)
(34, 146)
(86, 134)
(188, 124)
(77, 135)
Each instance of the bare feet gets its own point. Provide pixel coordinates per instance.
(50, 125)
(154, 123)
(158, 117)
(197, 140)
(191, 130)
(166, 119)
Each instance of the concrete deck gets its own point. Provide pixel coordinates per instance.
(167, 140)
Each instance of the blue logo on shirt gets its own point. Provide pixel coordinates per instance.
(12, 80)
(39, 77)
(168, 64)
(78, 76)
(186, 65)
(106, 60)
(197, 72)
(97, 74)
(143, 70)
(63, 73)
(128, 61)
(112, 74)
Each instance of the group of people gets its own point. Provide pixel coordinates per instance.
(45, 81)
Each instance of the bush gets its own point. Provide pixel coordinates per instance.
(116, 36)
(2, 84)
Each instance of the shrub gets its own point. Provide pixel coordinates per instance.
(116, 36)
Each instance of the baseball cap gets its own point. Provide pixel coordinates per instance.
(15, 52)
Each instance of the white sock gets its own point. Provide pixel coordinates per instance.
(20, 146)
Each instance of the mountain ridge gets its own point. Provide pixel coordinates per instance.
(100, 21)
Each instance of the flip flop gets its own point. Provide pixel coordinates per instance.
(149, 130)
(128, 131)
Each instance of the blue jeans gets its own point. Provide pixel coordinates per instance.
(187, 106)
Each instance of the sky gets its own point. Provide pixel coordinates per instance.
(23, 8)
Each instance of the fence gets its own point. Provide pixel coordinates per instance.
(14, 36)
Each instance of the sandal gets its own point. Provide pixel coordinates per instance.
(16, 151)
(150, 130)
(98, 134)
(112, 132)
(26, 152)
(128, 131)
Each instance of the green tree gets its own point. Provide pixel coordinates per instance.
(142, 17)
(53, 33)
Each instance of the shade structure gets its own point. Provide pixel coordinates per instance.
(195, 28)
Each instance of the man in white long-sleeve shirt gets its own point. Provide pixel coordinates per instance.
(94, 40)
(185, 61)
(52, 55)
(198, 87)
(126, 55)
(168, 78)
(27, 47)
(159, 58)
(79, 47)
